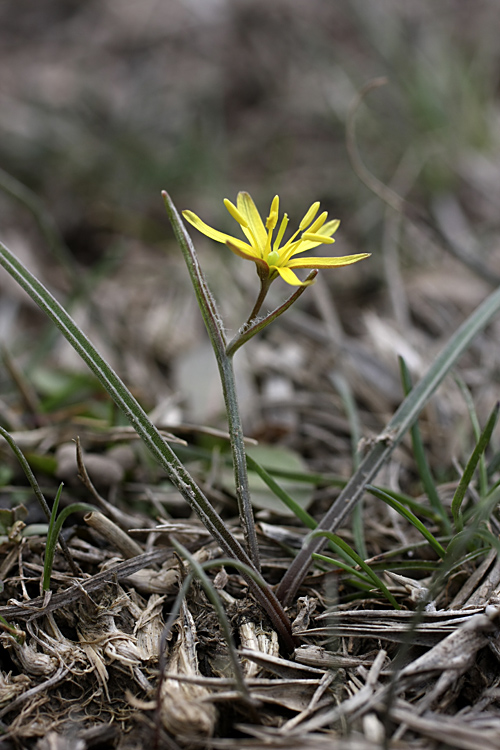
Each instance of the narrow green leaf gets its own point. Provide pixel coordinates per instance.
(420, 457)
(411, 517)
(483, 472)
(55, 527)
(345, 393)
(343, 566)
(359, 561)
(469, 470)
(221, 614)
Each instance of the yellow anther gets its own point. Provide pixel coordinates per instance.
(318, 223)
(310, 237)
(272, 219)
(235, 213)
(308, 218)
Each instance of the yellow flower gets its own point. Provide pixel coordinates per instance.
(270, 258)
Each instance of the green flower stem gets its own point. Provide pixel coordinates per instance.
(250, 329)
(401, 422)
(265, 283)
(215, 330)
(149, 434)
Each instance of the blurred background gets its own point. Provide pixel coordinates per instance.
(103, 104)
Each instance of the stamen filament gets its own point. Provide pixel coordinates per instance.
(281, 231)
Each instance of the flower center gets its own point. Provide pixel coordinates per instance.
(273, 258)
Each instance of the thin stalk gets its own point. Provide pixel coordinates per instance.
(249, 332)
(483, 472)
(389, 439)
(215, 329)
(265, 283)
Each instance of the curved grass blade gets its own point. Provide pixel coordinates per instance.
(470, 468)
(343, 566)
(411, 517)
(345, 393)
(338, 542)
(483, 471)
(285, 498)
(420, 458)
(55, 526)
(389, 439)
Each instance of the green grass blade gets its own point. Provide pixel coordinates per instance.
(420, 457)
(411, 517)
(285, 498)
(390, 438)
(55, 527)
(347, 550)
(470, 468)
(483, 472)
(343, 566)
(351, 410)
(221, 615)
(38, 494)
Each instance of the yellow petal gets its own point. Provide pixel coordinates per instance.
(246, 252)
(235, 213)
(255, 231)
(214, 234)
(291, 278)
(344, 260)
